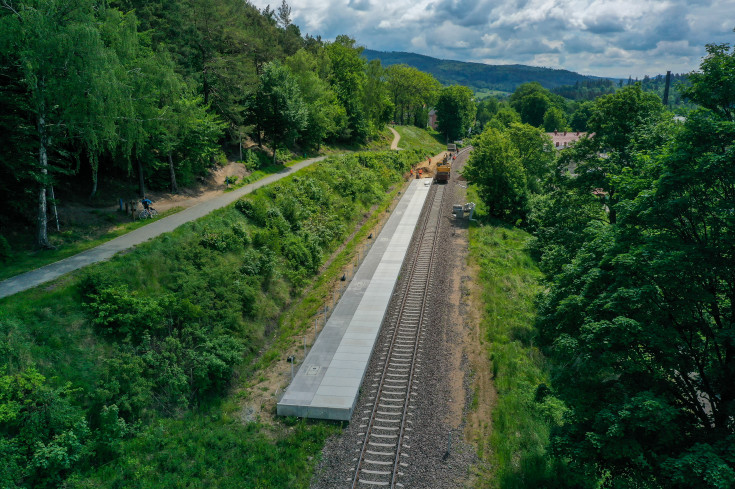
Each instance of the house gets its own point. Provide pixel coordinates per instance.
(564, 139)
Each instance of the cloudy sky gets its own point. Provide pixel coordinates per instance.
(614, 38)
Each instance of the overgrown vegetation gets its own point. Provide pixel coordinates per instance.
(633, 229)
(526, 410)
(119, 369)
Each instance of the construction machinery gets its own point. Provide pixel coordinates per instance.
(444, 169)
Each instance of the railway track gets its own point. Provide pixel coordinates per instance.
(386, 426)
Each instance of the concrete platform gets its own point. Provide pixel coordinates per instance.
(328, 382)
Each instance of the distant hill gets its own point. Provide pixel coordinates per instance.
(478, 76)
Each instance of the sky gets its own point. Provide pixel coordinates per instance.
(613, 38)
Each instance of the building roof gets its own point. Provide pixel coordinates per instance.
(564, 139)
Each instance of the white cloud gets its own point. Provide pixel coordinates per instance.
(601, 37)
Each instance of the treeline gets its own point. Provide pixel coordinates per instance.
(478, 76)
(592, 89)
(90, 90)
(637, 320)
(586, 89)
(533, 104)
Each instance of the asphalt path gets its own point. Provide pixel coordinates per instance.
(107, 250)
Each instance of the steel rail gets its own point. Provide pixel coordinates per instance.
(418, 271)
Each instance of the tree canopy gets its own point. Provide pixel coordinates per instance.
(456, 111)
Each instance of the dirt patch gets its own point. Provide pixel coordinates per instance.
(470, 373)
(211, 187)
(428, 166)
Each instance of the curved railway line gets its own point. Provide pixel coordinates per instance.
(387, 424)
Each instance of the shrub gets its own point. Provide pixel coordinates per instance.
(219, 241)
(251, 160)
(119, 312)
(239, 231)
(275, 220)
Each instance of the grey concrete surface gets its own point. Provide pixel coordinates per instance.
(106, 250)
(328, 381)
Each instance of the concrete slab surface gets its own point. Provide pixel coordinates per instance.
(328, 382)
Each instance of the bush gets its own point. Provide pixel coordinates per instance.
(219, 241)
(251, 161)
(283, 155)
(121, 313)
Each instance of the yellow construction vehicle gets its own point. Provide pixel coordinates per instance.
(444, 169)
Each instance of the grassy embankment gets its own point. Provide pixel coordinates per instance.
(156, 343)
(516, 447)
(424, 140)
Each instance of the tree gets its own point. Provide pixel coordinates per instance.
(411, 90)
(486, 109)
(554, 120)
(533, 107)
(68, 75)
(347, 78)
(504, 117)
(535, 152)
(580, 116)
(279, 105)
(617, 120)
(455, 110)
(531, 101)
(495, 168)
(712, 87)
(378, 105)
(639, 320)
(326, 116)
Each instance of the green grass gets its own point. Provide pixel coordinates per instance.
(522, 419)
(208, 451)
(69, 243)
(426, 140)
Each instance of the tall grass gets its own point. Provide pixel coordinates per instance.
(526, 410)
(425, 140)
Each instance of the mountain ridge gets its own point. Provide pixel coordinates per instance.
(479, 77)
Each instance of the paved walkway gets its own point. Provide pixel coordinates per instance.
(106, 250)
(396, 138)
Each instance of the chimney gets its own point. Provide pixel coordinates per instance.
(666, 89)
(565, 133)
(555, 132)
(577, 133)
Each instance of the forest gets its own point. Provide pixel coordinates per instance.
(633, 232)
(160, 93)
